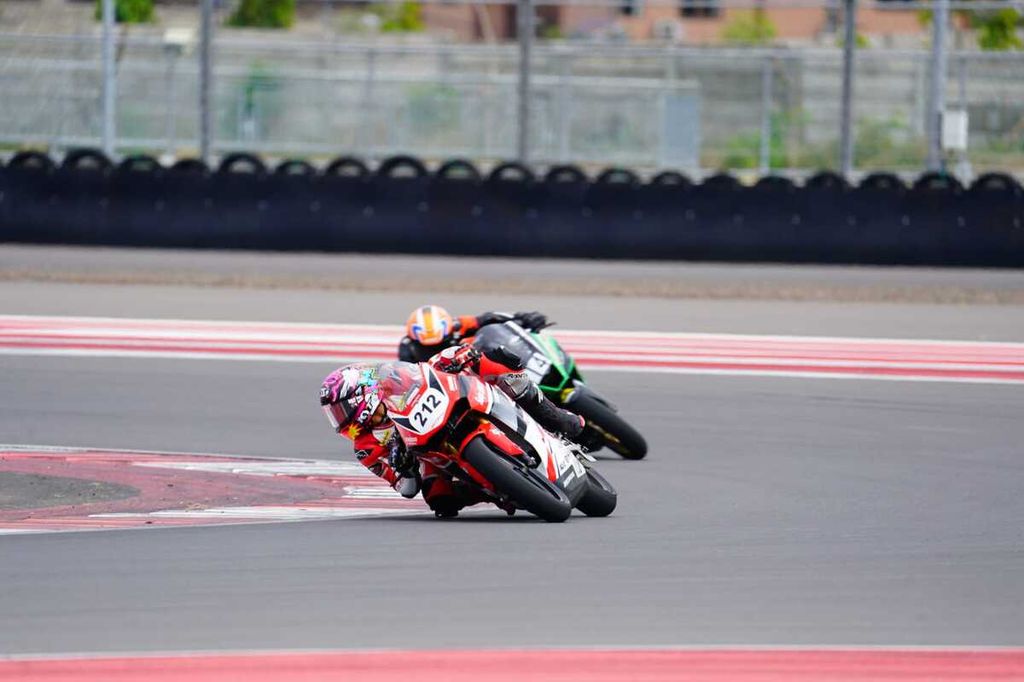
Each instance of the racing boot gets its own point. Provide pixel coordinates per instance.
(516, 384)
(551, 417)
(408, 486)
(445, 506)
(440, 495)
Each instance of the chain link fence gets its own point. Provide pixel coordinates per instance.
(695, 109)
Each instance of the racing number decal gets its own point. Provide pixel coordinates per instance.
(429, 403)
(428, 411)
(537, 367)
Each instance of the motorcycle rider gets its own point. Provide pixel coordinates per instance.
(354, 408)
(430, 329)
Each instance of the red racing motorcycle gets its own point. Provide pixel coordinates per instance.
(479, 437)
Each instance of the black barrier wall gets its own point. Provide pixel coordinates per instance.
(404, 207)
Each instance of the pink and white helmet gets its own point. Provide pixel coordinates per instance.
(349, 395)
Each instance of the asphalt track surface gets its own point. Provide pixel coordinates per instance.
(771, 511)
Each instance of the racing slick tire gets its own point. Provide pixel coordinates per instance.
(527, 488)
(618, 435)
(600, 498)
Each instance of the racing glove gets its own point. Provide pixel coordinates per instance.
(533, 320)
(453, 360)
(404, 464)
(505, 357)
(400, 459)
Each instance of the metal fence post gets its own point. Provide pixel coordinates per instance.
(846, 115)
(964, 171)
(525, 35)
(767, 73)
(109, 80)
(205, 81)
(564, 107)
(365, 140)
(169, 123)
(937, 93)
(963, 82)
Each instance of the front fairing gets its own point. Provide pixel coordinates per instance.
(563, 367)
(419, 400)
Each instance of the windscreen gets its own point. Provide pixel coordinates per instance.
(510, 335)
(399, 382)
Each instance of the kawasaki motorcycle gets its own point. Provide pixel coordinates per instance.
(556, 373)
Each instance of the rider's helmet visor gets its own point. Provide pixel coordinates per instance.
(339, 414)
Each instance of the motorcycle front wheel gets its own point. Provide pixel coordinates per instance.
(527, 488)
(600, 498)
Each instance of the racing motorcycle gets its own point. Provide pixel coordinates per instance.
(479, 437)
(556, 373)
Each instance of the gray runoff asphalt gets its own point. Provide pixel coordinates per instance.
(487, 275)
(770, 510)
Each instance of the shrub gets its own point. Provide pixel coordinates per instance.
(407, 17)
(998, 30)
(878, 143)
(258, 104)
(264, 14)
(128, 11)
(859, 41)
(749, 28)
(744, 149)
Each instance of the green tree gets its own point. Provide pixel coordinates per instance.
(264, 14)
(749, 28)
(128, 11)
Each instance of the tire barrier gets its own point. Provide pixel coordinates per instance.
(402, 206)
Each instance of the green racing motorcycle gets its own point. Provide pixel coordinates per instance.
(559, 378)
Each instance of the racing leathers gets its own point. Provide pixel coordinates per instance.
(465, 326)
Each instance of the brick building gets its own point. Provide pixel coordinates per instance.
(634, 20)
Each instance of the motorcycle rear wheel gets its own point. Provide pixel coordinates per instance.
(527, 488)
(616, 432)
(600, 498)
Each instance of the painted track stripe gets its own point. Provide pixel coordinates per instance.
(718, 361)
(691, 352)
(181, 489)
(693, 665)
(810, 357)
(389, 332)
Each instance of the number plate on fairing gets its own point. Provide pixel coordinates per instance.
(429, 410)
(538, 367)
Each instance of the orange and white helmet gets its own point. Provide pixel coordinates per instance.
(429, 325)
